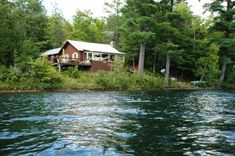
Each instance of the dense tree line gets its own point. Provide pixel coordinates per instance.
(26, 30)
(169, 36)
(155, 35)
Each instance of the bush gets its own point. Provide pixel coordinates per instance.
(42, 72)
(13, 75)
(9, 74)
(119, 78)
(102, 79)
(72, 72)
(3, 73)
(145, 81)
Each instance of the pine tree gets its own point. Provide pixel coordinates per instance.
(113, 8)
(224, 24)
(173, 22)
(138, 16)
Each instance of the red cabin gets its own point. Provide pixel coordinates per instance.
(85, 55)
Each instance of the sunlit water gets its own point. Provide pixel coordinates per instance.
(118, 123)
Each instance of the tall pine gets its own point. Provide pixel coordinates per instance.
(224, 24)
(138, 16)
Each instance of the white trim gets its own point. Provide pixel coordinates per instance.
(75, 55)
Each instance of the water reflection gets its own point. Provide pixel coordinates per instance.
(118, 123)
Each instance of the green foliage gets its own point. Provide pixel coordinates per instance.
(85, 81)
(138, 21)
(42, 72)
(224, 24)
(119, 78)
(137, 29)
(146, 81)
(87, 28)
(231, 75)
(6, 33)
(163, 27)
(208, 66)
(56, 30)
(22, 30)
(72, 72)
(9, 74)
(3, 73)
(113, 8)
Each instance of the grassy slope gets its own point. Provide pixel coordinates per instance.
(95, 81)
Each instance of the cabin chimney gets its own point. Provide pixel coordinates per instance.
(113, 44)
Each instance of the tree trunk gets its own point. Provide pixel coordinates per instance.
(154, 63)
(59, 64)
(168, 63)
(203, 74)
(141, 58)
(133, 61)
(223, 73)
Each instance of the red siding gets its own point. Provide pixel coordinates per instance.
(99, 65)
(69, 49)
(95, 65)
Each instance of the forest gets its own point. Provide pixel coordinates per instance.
(155, 35)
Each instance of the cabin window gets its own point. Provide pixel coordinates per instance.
(100, 57)
(75, 55)
(105, 57)
(97, 56)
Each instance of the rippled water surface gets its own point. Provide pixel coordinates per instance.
(118, 123)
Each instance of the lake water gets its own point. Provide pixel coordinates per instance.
(118, 123)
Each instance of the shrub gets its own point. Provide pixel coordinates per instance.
(3, 73)
(13, 75)
(72, 72)
(119, 78)
(4, 85)
(41, 71)
(116, 78)
(146, 81)
(9, 74)
(102, 79)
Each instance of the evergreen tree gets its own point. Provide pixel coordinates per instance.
(138, 16)
(224, 24)
(172, 33)
(113, 8)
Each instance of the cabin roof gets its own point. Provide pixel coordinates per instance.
(93, 47)
(51, 52)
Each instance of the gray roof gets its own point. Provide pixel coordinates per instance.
(86, 46)
(94, 47)
(51, 52)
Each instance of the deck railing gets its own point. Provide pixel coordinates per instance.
(70, 61)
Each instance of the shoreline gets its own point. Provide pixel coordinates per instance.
(111, 90)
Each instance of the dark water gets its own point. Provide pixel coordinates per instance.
(118, 123)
